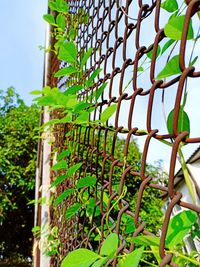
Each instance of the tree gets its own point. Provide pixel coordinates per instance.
(18, 145)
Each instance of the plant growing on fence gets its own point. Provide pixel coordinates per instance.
(75, 111)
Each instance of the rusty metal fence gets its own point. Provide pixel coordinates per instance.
(122, 33)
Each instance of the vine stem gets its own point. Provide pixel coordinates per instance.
(186, 175)
(177, 254)
(116, 202)
(151, 264)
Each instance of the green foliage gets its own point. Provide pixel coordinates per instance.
(132, 259)
(85, 258)
(73, 210)
(68, 52)
(173, 29)
(108, 112)
(85, 182)
(179, 226)
(167, 45)
(110, 245)
(183, 121)
(87, 190)
(170, 5)
(171, 68)
(80, 257)
(149, 54)
(17, 173)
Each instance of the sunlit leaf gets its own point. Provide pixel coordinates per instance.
(167, 45)
(80, 258)
(49, 18)
(63, 154)
(193, 61)
(150, 53)
(174, 28)
(183, 121)
(85, 57)
(132, 259)
(68, 52)
(108, 112)
(90, 81)
(170, 5)
(60, 21)
(36, 92)
(74, 168)
(66, 71)
(87, 181)
(73, 89)
(110, 245)
(73, 210)
(171, 68)
(60, 165)
(59, 180)
(179, 226)
(100, 263)
(62, 196)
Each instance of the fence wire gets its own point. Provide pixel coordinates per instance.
(122, 33)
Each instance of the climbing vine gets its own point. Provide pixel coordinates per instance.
(75, 104)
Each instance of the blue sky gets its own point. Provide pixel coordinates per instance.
(22, 31)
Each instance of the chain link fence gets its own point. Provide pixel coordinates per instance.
(128, 41)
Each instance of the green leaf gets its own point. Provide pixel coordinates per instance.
(146, 240)
(80, 106)
(86, 56)
(63, 154)
(66, 119)
(49, 18)
(174, 28)
(110, 245)
(66, 71)
(108, 112)
(100, 91)
(183, 121)
(167, 45)
(100, 263)
(62, 6)
(130, 226)
(46, 100)
(73, 169)
(62, 196)
(82, 118)
(150, 53)
(132, 259)
(59, 180)
(60, 20)
(170, 5)
(193, 61)
(90, 81)
(179, 226)
(80, 258)
(171, 68)
(140, 69)
(52, 5)
(68, 52)
(60, 165)
(71, 101)
(72, 33)
(87, 181)
(53, 121)
(73, 89)
(36, 92)
(72, 210)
